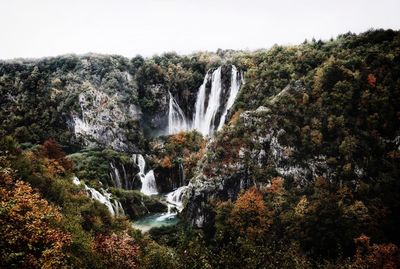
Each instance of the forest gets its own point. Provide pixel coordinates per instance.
(302, 171)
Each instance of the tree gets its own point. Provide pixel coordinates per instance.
(117, 251)
(385, 256)
(52, 150)
(250, 215)
(29, 237)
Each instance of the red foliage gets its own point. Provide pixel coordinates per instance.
(371, 80)
(117, 251)
(52, 150)
(383, 256)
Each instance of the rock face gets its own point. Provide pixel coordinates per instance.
(169, 179)
(155, 119)
(125, 176)
(260, 153)
(105, 102)
(103, 120)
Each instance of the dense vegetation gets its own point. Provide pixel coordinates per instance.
(306, 170)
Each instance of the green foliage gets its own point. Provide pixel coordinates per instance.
(136, 204)
(93, 166)
(332, 101)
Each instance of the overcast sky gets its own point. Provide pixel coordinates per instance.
(37, 28)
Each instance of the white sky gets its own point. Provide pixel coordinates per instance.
(37, 28)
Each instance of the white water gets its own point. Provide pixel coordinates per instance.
(200, 104)
(117, 178)
(207, 106)
(174, 202)
(149, 186)
(114, 206)
(176, 118)
(205, 116)
(234, 90)
(140, 162)
(176, 197)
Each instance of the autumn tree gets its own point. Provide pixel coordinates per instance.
(28, 234)
(52, 150)
(117, 251)
(250, 216)
(375, 256)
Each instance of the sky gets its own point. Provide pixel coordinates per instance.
(38, 28)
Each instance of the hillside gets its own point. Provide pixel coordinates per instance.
(285, 157)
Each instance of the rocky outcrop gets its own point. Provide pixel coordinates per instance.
(137, 205)
(257, 156)
(106, 121)
(169, 179)
(125, 176)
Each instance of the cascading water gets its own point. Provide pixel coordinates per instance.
(176, 197)
(207, 106)
(174, 202)
(176, 117)
(205, 116)
(236, 81)
(206, 120)
(117, 177)
(200, 104)
(114, 206)
(149, 186)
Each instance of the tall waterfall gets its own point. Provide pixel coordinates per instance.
(176, 117)
(200, 104)
(236, 80)
(208, 105)
(113, 205)
(205, 116)
(149, 186)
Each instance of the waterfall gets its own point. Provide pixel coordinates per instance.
(200, 103)
(181, 174)
(174, 202)
(141, 163)
(149, 186)
(113, 205)
(233, 91)
(176, 117)
(207, 106)
(117, 178)
(176, 197)
(205, 116)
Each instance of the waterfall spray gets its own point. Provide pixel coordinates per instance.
(233, 91)
(176, 117)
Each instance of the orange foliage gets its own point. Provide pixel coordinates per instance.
(27, 232)
(52, 150)
(118, 251)
(393, 154)
(178, 138)
(235, 117)
(376, 256)
(250, 215)
(166, 162)
(276, 186)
